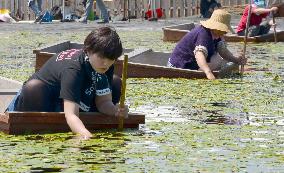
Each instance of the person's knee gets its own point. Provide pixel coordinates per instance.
(31, 85)
(35, 96)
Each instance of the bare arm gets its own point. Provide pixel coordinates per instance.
(225, 53)
(201, 61)
(71, 110)
(105, 106)
(264, 10)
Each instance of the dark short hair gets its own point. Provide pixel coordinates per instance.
(105, 41)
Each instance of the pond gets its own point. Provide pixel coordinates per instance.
(234, 124)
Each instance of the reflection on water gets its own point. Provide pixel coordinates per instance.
(43, 170)
(221, 120)
(219, 104)
(161, 113)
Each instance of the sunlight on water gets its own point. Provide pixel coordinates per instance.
(161, 113)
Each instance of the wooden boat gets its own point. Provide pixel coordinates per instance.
(54, 122)
(47, 122)
(142, 63)
(175, 33)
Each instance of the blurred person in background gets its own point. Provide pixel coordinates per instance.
(257, 26)
(88, 9)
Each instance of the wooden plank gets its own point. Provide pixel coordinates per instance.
(4, 125)
(42, 122)
(54, 48)
(4, 118)
(59, 117)
(137, 70)
(176, 32)
(137, 52)
(43, 54)
(262, 38)
(8, 91)
(41, 58)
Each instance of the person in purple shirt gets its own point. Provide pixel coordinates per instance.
(204, 48)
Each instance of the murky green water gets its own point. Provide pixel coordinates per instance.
(226, 125)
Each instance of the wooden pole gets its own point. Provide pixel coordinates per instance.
(274, 28)
(124, 11)
(123, 89)
(273, 19)
(128, 10)
(246, 35)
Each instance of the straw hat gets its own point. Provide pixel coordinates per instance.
(220, 20)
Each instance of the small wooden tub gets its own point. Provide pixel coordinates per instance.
(175, 33)
(55, 122)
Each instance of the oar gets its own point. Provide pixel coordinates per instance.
(246, 35)
(274, 28)
(123, 88)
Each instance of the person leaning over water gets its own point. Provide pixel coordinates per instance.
(203, 48)
(258, 13)
(75, 80)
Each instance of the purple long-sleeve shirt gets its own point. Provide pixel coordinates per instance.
(198, 38)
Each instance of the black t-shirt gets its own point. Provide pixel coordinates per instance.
(70, 76)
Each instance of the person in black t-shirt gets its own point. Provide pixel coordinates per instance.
(77, 80)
